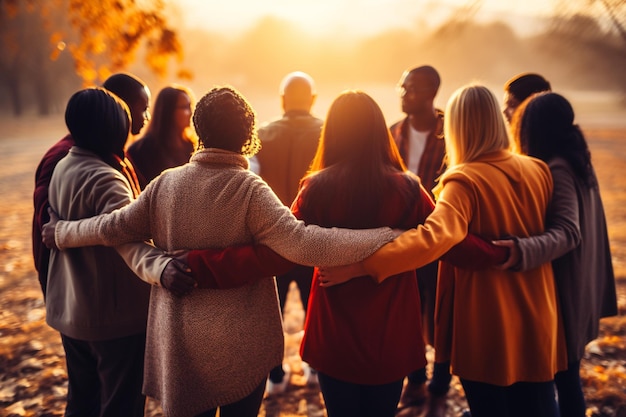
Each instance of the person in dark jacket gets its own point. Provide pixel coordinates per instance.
(419, 137)
(135, 93)
(288, 147)
(576, 239)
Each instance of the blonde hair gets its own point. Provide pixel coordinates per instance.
(473, 125)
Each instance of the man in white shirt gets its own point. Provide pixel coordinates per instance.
(419, 137)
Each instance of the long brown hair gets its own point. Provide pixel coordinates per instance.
(161, 125)
(354, 158)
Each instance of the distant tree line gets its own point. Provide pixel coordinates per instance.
(52, 47)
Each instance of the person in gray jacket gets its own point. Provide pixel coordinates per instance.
(576, 238)
(93, 299)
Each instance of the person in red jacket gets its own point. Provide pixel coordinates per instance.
(363, 338)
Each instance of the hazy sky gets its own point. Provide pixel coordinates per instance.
(355, 17)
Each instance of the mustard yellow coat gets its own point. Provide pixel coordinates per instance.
(505, 325)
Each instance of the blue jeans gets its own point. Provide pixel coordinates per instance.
(344, 399)
(522, 399)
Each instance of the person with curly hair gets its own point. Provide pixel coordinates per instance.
(214, 348)
(96, 303)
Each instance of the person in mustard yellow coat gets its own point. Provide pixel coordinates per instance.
(506, 344)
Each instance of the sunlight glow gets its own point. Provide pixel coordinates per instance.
(347, 17)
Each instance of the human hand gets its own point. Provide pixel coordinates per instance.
(329, 276)
(48, 229)
(177, 278)
(514, 253)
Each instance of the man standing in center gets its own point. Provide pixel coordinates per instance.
(419, 137)
(288, 147)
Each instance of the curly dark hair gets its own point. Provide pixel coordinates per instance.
(224, 119)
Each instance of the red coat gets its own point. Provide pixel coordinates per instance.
(46, 166)
(362, 332)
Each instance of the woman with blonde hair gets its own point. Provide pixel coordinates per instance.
(505, 343)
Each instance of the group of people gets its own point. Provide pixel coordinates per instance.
(503, 267)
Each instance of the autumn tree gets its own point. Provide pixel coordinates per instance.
(100, 38)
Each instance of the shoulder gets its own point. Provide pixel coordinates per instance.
(405, 179)
(538, 165)
(396, 128)
(139, 147)
(559, 164)
(270, 126)
(53, 155)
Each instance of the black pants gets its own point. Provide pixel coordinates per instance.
(344, 399)
(427, 283)
(439, 383)
(246, 407)
(522, 399)
(302, 275)
(105, 377)
(569, 388)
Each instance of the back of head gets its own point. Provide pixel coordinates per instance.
(355, 156)
(98, 121)
(224, 119)
(297, 90)
(526, 84)
(473, 125)
(125, 86)
(545, 129)
(429, 75)
(355, 132)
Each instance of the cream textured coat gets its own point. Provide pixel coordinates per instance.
(214, 347)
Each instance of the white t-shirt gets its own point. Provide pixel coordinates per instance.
(417, 144)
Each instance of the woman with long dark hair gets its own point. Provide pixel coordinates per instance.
(576, 239)
(505, 344)
(169, 139)
(362, 338)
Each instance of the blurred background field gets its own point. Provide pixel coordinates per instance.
(51, 48)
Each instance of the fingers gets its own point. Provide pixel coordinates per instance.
(54, 218)
(507, 243)
(513, 257)
(177, 278)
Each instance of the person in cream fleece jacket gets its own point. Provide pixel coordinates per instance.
(214, 348)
